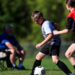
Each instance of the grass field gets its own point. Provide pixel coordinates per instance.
(51, 69)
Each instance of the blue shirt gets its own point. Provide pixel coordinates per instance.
(4, 37)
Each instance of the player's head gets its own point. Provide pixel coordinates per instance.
(37, 17)
(9, 29)
(70, 4)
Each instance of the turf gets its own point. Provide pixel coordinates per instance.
(51, 69)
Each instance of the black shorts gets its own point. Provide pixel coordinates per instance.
(51, 49)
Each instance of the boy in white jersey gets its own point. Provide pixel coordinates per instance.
(51, 43)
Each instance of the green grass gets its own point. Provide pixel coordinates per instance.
(51, 69)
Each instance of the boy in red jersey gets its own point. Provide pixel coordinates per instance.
(70, 5)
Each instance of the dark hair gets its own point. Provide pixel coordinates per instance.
(8, 26)
(71, 3)
(37, 14)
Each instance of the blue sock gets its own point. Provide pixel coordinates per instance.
(13, 65)
(20, 65)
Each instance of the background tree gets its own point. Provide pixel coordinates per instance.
(18, 13)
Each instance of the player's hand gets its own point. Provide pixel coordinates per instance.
(55, 32)
(38, 45)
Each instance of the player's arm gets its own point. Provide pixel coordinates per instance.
(7, 44)
(56, 32)
(68, 27)
(45, 41)
(47, 38)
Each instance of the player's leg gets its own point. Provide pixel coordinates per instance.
(37, 62)
(69, 54)
(9, 65)
(21, 59)
(12, 58)
(61, 65)
(44, 51)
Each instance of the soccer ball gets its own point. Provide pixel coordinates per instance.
(39, 71)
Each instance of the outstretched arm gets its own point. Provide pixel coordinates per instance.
(56, 32)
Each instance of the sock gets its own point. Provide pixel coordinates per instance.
(71, 74)
(36, 63)
(63, 67)
(20, 65)
(14, 65)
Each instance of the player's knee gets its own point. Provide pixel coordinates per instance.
(55, 61)
(13, 51)
(38, 57)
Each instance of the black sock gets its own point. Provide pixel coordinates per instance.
(74, 66)
(36, 63)
(63, 67)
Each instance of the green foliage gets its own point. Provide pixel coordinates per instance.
(18, 12)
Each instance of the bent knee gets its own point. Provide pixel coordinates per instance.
(12, 51)
(38, 57)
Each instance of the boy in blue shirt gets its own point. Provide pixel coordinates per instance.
(9, 42)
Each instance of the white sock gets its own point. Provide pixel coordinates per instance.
(14, 65)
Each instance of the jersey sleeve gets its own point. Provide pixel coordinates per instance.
(69, 23)
(48, 28)
(70, 15)
(4, 41)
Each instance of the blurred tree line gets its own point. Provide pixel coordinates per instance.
(18, 13)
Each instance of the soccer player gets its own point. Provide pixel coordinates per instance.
(10, 43)
(51, 43)
(70, 5)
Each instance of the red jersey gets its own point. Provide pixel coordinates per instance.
(72, 14)
(71, 20)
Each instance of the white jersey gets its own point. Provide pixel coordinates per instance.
(47, 27)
